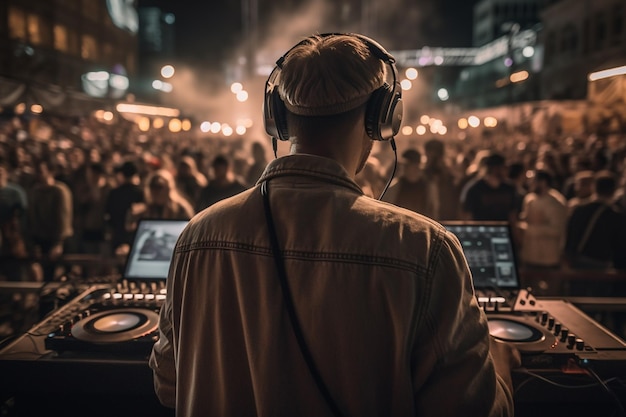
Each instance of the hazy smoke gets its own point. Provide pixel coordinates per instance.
(205, 93)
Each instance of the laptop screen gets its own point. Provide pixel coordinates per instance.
(152, 249)
(489, 250)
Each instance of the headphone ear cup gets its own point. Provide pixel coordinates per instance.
(280, 116)
(275, 116)
(376, 111)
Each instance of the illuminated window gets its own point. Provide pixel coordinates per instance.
(34, 29)
(60, 38)
(89, 48)
(17, 23)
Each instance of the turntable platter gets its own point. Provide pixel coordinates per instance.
(522, 332)
(116, 325)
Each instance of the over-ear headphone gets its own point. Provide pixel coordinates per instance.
(384, 108)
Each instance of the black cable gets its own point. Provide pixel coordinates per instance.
(597, 382)
(554, 383)
(618, 404)
(392, 142)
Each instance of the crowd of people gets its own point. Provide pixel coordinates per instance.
(564, 198)
(78, 186)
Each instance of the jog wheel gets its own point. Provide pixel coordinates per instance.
(116, 325)
(522, 332)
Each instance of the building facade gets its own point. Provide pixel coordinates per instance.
(48, 46)
(580, 37)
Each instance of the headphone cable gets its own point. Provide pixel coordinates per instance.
(392, 142)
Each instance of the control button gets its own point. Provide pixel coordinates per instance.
(557, 328)
(580, 344)
(550, 322)
(564, 333)
(571, 340)
(544, 317)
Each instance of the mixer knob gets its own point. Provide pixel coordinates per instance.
(557, 328)
(544, 317)
(564, 333)
(550, 322)
(571, 340)
(580, 344)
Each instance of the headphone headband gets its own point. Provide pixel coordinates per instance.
(384, 110)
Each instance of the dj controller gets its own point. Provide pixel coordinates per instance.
(123, 318)
(116, 325)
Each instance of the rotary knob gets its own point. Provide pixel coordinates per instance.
(557, 328)
(580, 344)
(571, 340)
(564, 333)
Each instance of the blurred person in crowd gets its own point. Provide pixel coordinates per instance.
(13, 209)
(542, 222)
(518, 177)
(442, 194)
(50, 217)
(382, 295)
(409, 189)
(578, 162)
(596, 231)
(371, 179)
(474, 168)
(583, 189)
(162, 201)
(91, 197)
(22, 167)
(223, 184)
(189, 180)
(259, 162)
(120, 200)
(490, 196)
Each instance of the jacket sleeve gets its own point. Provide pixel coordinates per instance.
(162, 359)
(455, 374)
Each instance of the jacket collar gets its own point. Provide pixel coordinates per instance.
(306, 165)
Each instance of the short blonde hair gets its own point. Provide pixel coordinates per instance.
(331, 74)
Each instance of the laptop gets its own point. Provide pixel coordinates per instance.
(490, 252)
(152, 249)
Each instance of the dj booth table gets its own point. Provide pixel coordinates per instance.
(558, 378)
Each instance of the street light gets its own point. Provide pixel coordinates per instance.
(167, 71)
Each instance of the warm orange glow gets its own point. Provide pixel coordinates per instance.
(147, 110)
(175, 125)
(519, 76)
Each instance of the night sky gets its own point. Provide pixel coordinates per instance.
(209, 31)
